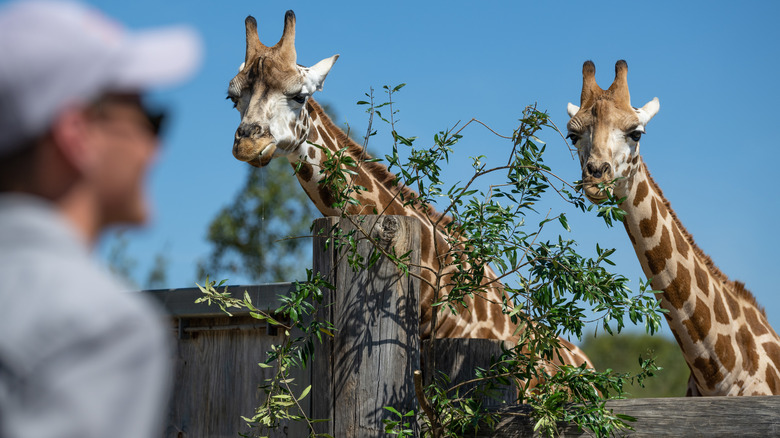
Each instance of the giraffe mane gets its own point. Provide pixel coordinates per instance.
(377, 169)
(737, 286)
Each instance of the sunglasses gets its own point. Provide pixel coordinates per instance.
(155, 116)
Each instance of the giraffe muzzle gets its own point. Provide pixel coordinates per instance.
(253, 144)
(594, 174)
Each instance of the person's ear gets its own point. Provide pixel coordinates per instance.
(71, 137)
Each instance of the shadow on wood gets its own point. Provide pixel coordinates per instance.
(369, 363)
(458, 358)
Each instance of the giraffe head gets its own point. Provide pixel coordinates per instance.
(606, 129)
(270, 91)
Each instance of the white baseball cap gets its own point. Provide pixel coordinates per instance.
(54, 54)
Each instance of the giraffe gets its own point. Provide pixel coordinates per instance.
(279, 118)
(724, 334)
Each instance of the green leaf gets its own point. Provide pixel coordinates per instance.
(304, 393)
(393, 410)
(564, 222)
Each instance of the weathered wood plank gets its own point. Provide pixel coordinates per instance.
(458, 358)
(370, 361)
(710, 417)
(216, 378)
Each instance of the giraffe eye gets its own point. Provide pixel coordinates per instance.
(635, 135)
(234, 100)
(574, 138)
(299, 98)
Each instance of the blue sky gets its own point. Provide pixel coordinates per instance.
(712, 148)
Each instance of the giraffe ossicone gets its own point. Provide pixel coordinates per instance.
(279, 118)
(724, 334)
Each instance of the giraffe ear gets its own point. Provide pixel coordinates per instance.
(648, 111)
(572, 109)
(315, 75)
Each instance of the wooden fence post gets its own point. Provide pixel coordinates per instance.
(370, 361)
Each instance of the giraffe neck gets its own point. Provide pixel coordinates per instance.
(723, 333)
(377, 196)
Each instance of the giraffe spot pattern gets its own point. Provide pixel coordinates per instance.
(326, 196)
(772, 380)
(750, 359)
(681, 244)
(483, 333)
(426, 246)
(480, 309)
(656, 257)
(446, 325)
(734, 307)
(725, 351)
(703, 280)
(709, 369)
(363, 180)
(721, 315)
(641, 192)
(679, 289)
(755, 324)
(699, 323)
(325, 138)
(500, 322)
(772, 351)
(662, 208)
(314, 138)
(306, 171)
(647, 226)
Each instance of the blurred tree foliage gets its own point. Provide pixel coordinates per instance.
(123, 265)
(620, 352)
(250, 237)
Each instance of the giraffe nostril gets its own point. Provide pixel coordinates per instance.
(593, 171)
(597, 171)
(248, 130)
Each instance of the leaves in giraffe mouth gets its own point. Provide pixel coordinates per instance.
(595, 191)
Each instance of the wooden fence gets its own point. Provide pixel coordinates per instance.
(370, 361)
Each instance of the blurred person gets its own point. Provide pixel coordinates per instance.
(79, 355)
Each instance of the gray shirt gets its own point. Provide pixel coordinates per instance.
(79, 355)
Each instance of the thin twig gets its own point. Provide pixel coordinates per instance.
(424, 404)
